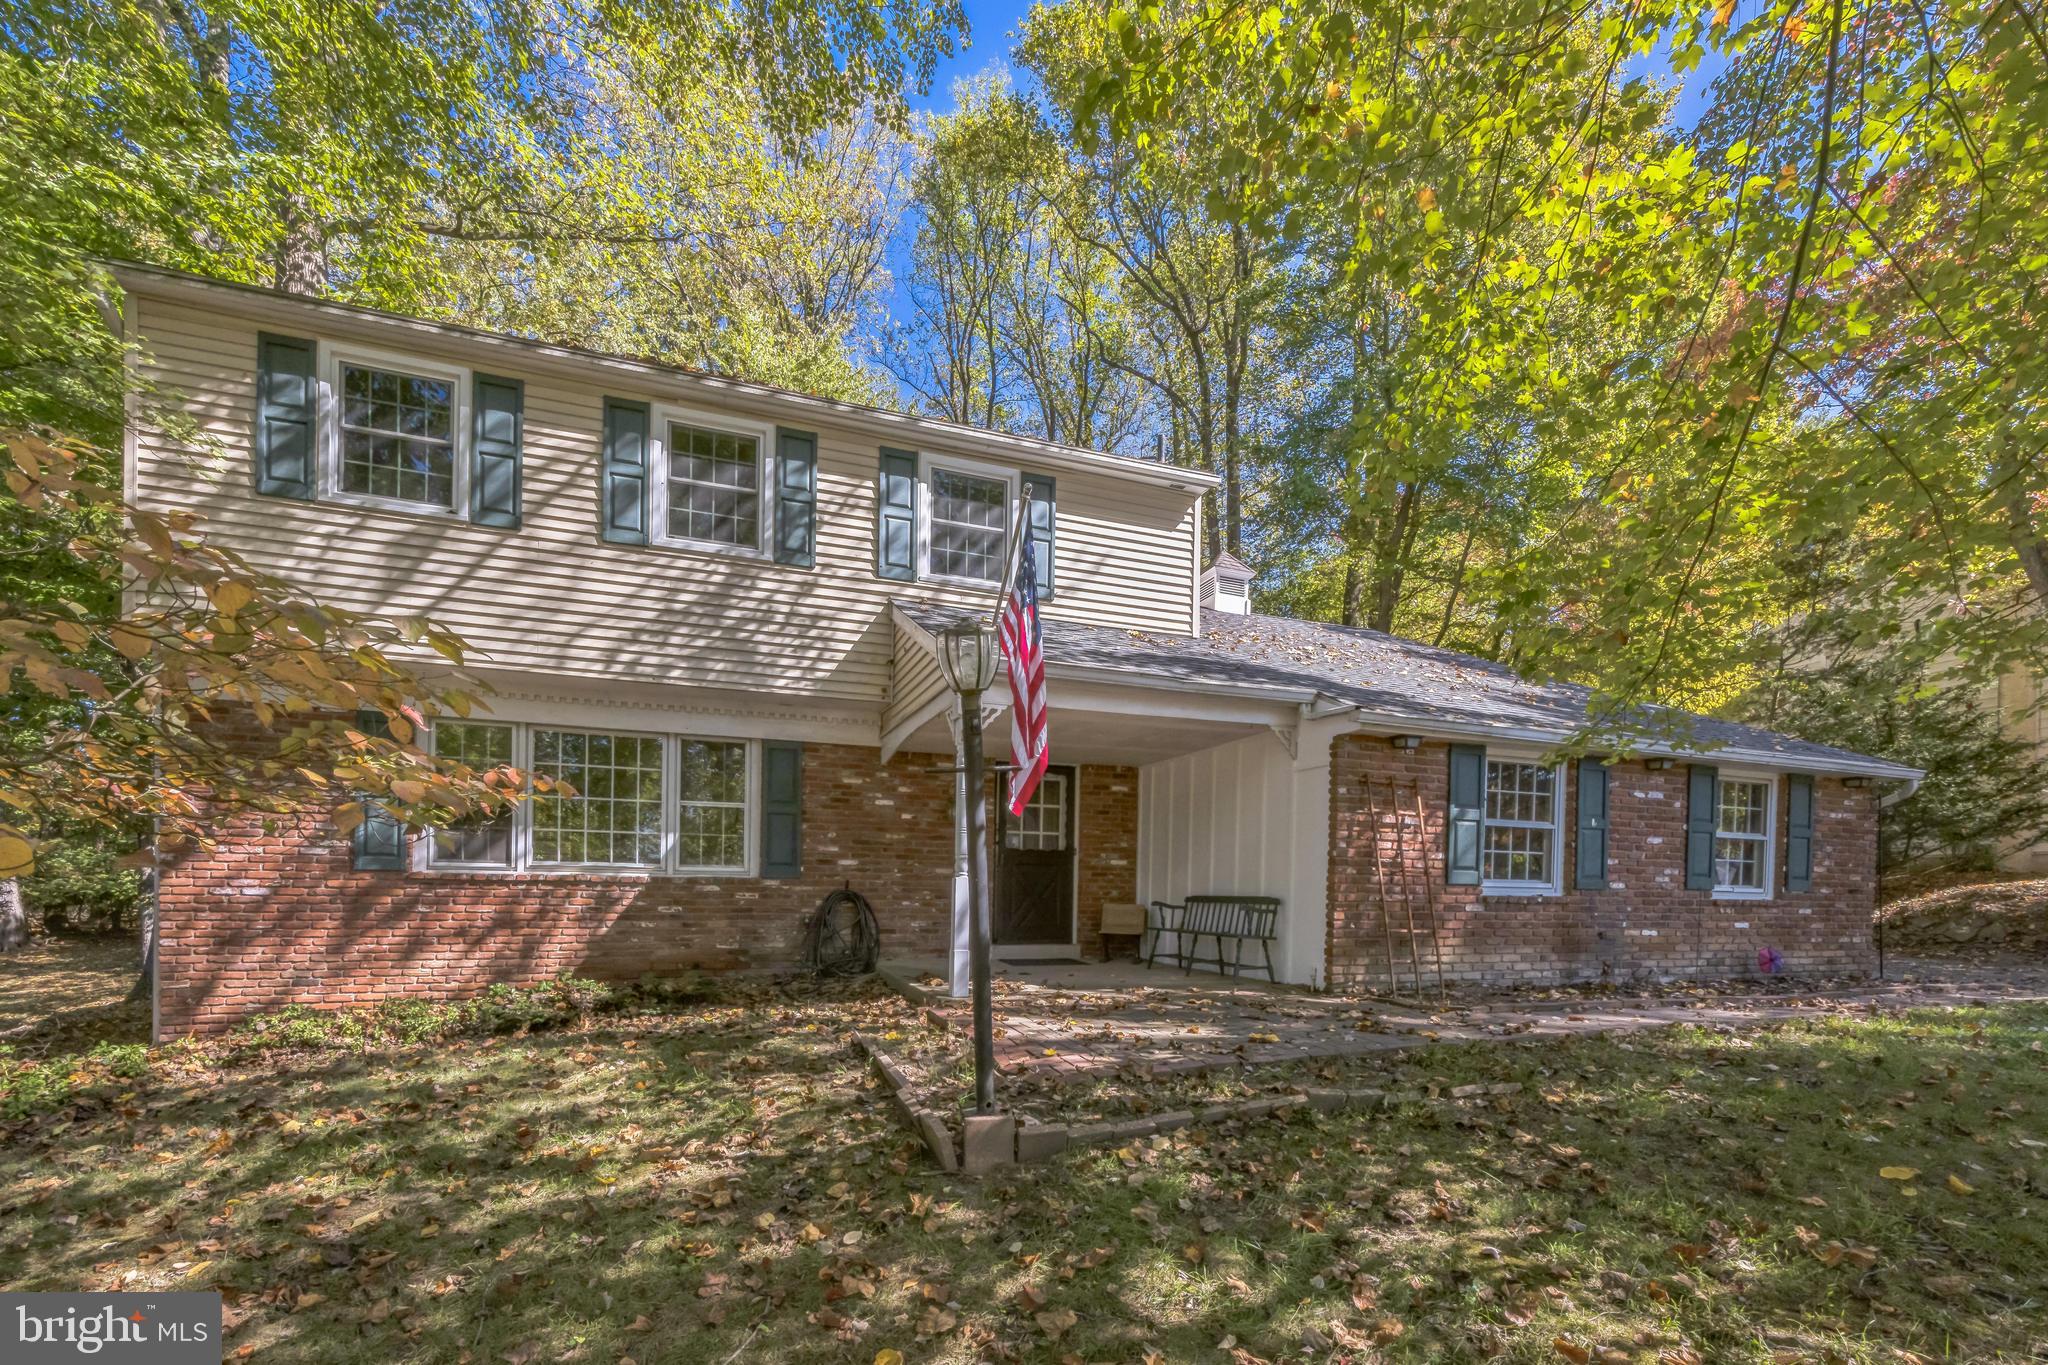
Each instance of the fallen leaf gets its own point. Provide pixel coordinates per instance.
(1899, 1172)
(1956, 1185)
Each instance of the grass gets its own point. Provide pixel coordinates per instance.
(720, 1180)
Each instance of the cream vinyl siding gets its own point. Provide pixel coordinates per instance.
(552, 597)
(917, 679)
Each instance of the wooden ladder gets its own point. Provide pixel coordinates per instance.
(1402, 884)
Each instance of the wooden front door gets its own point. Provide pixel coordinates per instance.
(1035, 865)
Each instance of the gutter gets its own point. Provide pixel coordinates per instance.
(1398, 723)
(592, 367)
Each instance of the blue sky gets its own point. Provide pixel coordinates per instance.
(992, 26)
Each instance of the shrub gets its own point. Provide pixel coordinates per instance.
(559, 1003)
(32, 1087)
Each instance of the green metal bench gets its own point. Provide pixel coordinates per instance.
(1241, 919)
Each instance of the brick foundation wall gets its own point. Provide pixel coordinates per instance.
(1645, 925)
(1109, 850)
(277, 917)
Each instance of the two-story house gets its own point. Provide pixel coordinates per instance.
(711, 606)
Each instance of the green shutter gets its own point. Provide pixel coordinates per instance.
(379, 841)
(796, 497)
(1702, 818)
(1042, 521)
(782, 809)
(1592, 843)
(1467, 815)
(1799, 832)
(624, 514)
(494, 464)
(285, 426)
(896, 516)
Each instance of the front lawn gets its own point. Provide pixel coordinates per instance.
(722, 1182)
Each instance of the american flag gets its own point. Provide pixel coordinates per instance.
(1024, 650)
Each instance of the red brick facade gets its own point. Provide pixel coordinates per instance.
(1109, 850)
(1645, 925)
(269, 919)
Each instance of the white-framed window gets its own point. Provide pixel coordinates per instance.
(713, 787)
(965, 526)
(615, 817)
(642, 802)
(1523, 835)
(394, 431)
(711, 487)
(1745, 813)
(479, 840)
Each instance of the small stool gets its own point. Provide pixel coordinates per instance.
(1123, 919)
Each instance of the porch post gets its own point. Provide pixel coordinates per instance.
(960, 963)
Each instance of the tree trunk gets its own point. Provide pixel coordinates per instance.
(13, 917)
(302, 250)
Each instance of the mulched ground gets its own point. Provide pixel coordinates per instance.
(1991, 922)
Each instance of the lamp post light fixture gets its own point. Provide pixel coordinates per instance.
(967, 655)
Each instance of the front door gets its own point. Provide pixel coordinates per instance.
(1035, 866)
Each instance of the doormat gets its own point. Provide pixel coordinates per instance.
(1044, 962)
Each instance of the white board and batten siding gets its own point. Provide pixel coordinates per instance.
(553, 597)
(1244, 818)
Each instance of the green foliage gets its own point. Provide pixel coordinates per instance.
(559, 1003)
(1642, 373)
(78, 885)
(32, 1086)
(1985, 789)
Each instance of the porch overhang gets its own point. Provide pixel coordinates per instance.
(1112, 721)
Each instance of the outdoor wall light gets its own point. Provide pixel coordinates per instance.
(1658, 765)
(1409, 742)
(1856, 782)
(967, 653)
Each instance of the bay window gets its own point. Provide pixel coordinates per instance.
(629, 802)
(711, 790)
(483, 840)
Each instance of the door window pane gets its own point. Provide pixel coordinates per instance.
(1042, 827)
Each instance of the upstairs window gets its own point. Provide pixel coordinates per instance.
(1521, 840)
(397, 436)
(969, 524)
(1742, 837)
(714, 486)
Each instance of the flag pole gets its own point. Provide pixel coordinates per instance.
(1013, 552)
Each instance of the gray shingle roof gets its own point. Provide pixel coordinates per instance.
(1397, 681)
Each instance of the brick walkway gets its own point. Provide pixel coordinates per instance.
(1114, 1017)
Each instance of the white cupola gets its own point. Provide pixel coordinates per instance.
(1227, 586)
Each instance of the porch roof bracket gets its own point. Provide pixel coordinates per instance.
(1289, 737)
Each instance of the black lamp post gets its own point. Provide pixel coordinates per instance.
(967, 653)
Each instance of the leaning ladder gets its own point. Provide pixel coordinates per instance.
(1402, 883)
